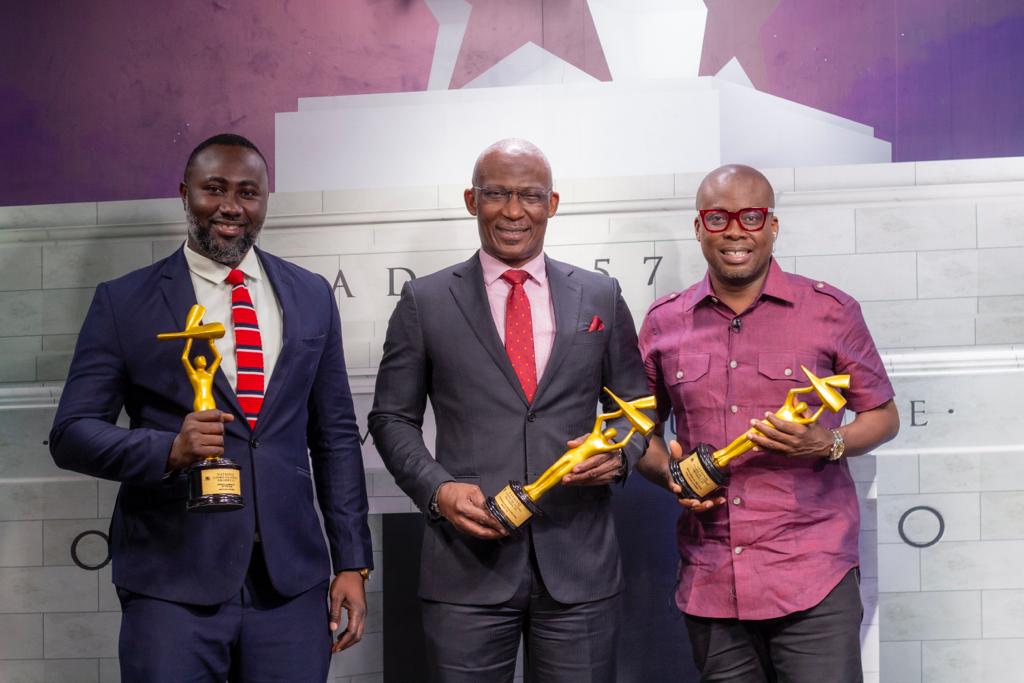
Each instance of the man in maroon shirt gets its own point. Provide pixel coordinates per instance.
(768, 578)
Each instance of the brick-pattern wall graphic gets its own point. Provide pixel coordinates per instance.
(931, 250)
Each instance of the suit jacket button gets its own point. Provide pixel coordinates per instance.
(255, 443)
(531, 416)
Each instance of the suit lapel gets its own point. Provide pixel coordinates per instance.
(467, 287)
(180, 296)
(287, 298)
(566, 297)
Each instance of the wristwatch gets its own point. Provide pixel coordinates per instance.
(365, 573)
(838, 446)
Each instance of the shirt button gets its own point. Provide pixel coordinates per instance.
(738, 549)
(679, 374)
(733, 364)
(734, 409)
(714, 300)
(737, 500)
(820, 285)
(787, 372)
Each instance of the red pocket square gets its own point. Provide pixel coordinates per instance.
(596, 325)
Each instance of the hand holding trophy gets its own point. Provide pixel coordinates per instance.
(515, 504)
(703, 471)
(214, 483)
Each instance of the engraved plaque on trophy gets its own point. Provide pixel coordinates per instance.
(214, 483)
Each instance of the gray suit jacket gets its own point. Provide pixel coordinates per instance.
(442, 344)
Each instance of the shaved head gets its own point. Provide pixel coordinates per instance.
(511, 148)
(754, 183)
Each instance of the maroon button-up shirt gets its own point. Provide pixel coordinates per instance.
(788, 533)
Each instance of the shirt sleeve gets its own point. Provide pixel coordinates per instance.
(857, 356)
(648, 338)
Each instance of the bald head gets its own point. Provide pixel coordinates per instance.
(735, 179)
(512, 149)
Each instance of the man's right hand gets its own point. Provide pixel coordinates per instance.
(691, 504)
(464, 506)
(201, 436)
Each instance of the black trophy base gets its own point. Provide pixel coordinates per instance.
(698, 475)
(214, 485)
(515, 510)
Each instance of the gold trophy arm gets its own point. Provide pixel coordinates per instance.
(189, 370)
(631, 411)
(216, 357)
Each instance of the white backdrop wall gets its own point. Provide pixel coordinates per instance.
(932, 250)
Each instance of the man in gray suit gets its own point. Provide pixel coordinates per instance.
(512, 348)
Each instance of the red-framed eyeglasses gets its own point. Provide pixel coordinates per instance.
(750, 219)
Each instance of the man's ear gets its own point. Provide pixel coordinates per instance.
(553, 204)
(469, 196)
(183, 192)
(696, 228)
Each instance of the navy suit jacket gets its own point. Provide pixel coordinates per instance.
(306, 436)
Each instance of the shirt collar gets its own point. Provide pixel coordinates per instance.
(776, 285)
(208, 269)
(493, 268)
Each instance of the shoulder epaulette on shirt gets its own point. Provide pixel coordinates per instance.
(662, 300)
(822, 287)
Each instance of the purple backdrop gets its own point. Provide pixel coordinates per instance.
(103, 100)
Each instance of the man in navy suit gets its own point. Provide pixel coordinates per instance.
(240, 595)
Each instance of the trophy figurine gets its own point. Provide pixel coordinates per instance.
(515, 504)
(214, 483)
(703, 471)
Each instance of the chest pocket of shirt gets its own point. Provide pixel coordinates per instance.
(782, 370)
(686, 376)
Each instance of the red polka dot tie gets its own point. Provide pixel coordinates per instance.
(248, 349)
(519, 332)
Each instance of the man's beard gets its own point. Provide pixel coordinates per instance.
(230, 254)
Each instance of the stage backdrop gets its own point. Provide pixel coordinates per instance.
(371, 114)
(100, 101)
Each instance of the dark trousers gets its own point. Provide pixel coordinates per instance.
(258, 635)
(813, 646)
(562, 643)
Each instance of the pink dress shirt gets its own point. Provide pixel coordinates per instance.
(788, 533)
(542, 311)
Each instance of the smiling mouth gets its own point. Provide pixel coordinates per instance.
(736, 255)
(511, 231)
(227, 230)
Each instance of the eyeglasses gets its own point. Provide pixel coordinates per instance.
(750, 219)
(500, 195)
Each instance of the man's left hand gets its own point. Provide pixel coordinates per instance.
(791, 439)
(348, 591)
(597, 470)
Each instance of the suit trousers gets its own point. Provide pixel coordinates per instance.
(811, 646)
(257, 636)
(562, 643)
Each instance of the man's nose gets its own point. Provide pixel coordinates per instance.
(229, 205)
(513, 207)
(733, 228)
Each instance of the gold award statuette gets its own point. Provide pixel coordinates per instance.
(515, 504)
(703, 471)
(214, 483)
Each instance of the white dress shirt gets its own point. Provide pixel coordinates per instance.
(213, 292)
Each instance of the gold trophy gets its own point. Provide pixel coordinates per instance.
(214, 483)
(515, 504)
(703, 471)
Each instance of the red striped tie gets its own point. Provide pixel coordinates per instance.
(248, 349)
